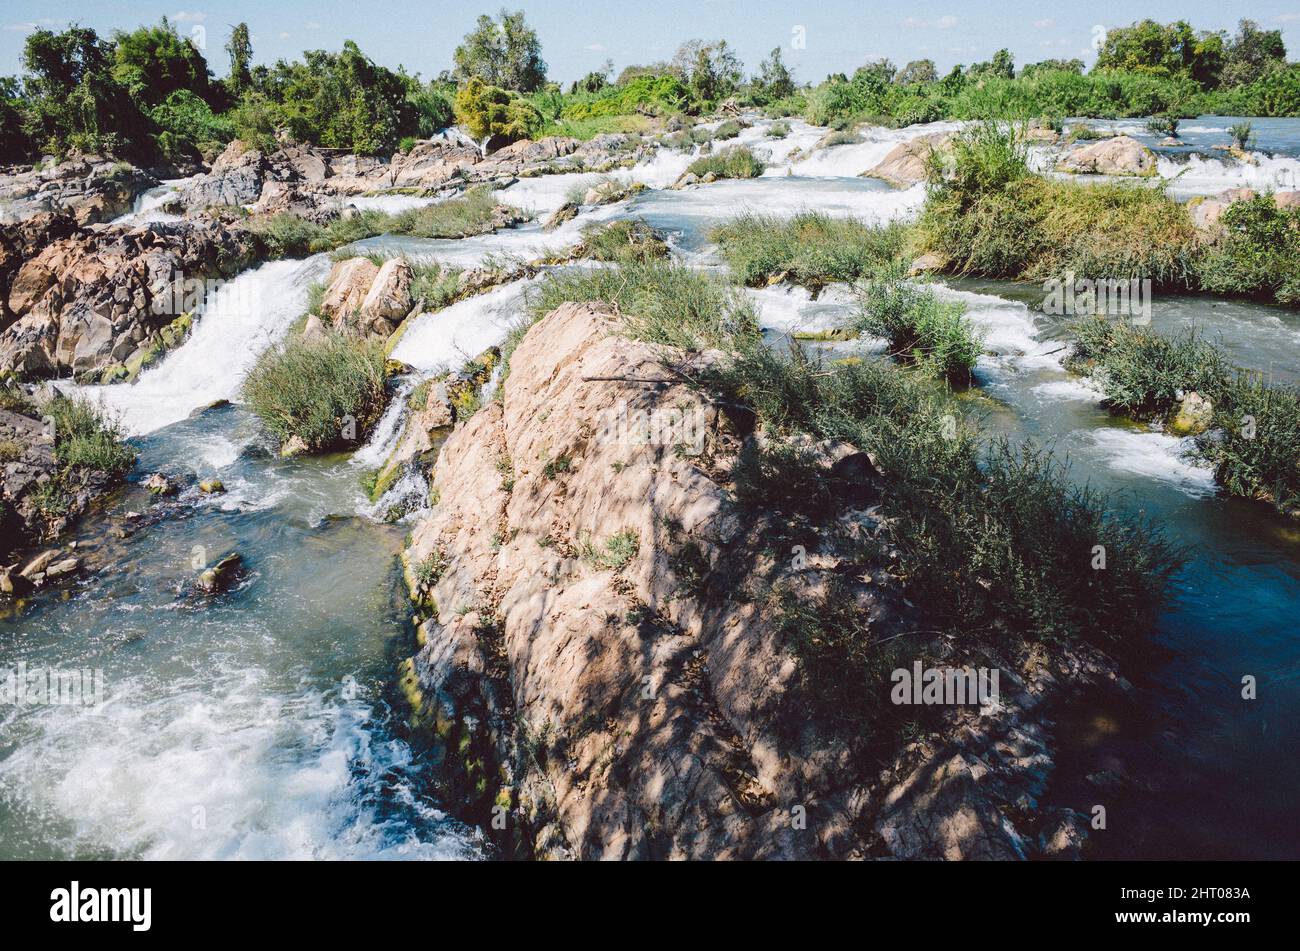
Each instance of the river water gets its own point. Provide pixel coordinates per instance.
(260, 724)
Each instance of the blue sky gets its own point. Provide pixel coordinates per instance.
(578, 35)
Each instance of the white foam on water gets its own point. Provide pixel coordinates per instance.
(847, 161)
(383, 439)
(1198, 175)
(1072, 388)
(238, 321)
(231, 770)
(1008, 326)
(447, 338)
(1153, 455)
(392, 204)
(787, 309)
(147, 204)
(784, 198)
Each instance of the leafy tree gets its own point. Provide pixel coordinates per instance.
(774, 80)
(14, 143)
(433, 106)
(917, 71)
(711, 70)
(73, 99)
(1164, 50)
(153, 62)
(240, 49)
(1053, 65)
(1002, 66)
(490, 112)
(596, 80)
(339, 100)
(188, 125)
(506, 54)
(1252, 53)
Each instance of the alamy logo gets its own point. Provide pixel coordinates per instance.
(1081, 297)
(103, 904)
(948, 686)
(45, 686)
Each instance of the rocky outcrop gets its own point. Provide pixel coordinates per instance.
(39, 498)
(367, 299)
(88, 189)
(607, 669)
(907, 163)
(1119, 155)
(103, 303)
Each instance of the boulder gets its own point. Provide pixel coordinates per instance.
(537, 627)
(389, 297)
(159, 484)
(221, 576)
(346, 289)
(1195, 415)
(907, 163)
(566, 212)
(1120, 155)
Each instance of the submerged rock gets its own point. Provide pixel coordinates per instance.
(220, 576)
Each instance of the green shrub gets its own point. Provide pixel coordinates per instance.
(489, 111)
(1243, 134)
(811, 248)
(660, 302)
(728, 129)
(920, 328)
(994, 541)
(1143, 373)
(623, 241)
(733, 162)
(778, 130)
(986, 214)
(1257, 254)
(308, 387)
(86, 437)
(469, 214)
(1255, 448)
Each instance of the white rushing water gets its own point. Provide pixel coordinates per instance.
(148, 204)
(448, 338)
(1198, 175)
(239, 320)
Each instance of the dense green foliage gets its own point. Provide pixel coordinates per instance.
(810, 248)
(663, 303)
(1254, 445)
(995, 541)
(328, 391)
(149, 93)
(490, 112)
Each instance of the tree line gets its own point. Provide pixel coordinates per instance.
(150, 94)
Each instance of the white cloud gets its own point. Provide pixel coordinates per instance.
(1044, 24)
(284, 36)
(186, 16)
(1286, 17)
(596, 47)
(313, 25)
